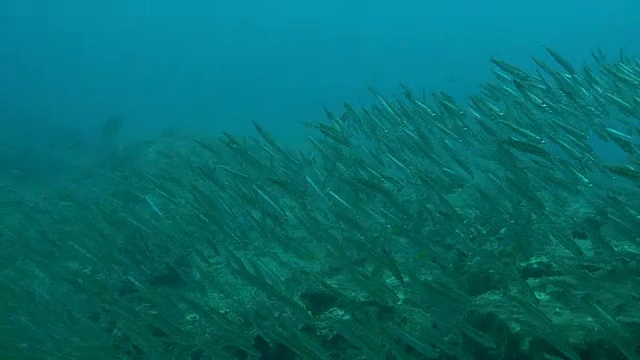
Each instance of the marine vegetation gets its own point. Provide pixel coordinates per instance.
(421, 227)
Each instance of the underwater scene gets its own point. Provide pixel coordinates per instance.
(211, 183)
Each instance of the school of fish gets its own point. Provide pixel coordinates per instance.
(421, 227)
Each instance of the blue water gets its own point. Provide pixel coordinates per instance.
(66, 66)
